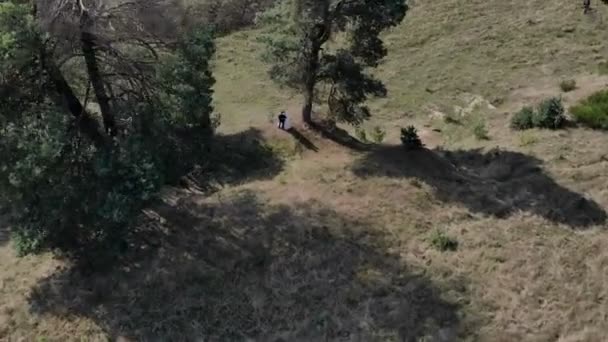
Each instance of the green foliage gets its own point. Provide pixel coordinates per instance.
(75, 198)
(361, 134)
(410, 139)
(593, 111)
(480, 131)
(378, 135)
(567, 85)
(299, 56)
(443, 242)
(550, 114)
(523, 119)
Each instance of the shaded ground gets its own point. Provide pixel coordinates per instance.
(242, 268)
(4, 230)
(498, 183)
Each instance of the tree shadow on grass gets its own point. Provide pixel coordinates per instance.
(234, 159)
(497, 183)
(4, 229)
(241, 268)
(330, 131)
(302, 139)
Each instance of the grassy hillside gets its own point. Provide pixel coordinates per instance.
(325, 243)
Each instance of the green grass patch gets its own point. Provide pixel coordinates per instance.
(443, 242)
(593, 111)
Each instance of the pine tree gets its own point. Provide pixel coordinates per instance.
(332, 43)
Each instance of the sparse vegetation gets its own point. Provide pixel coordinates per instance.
(480, 131)
(602, 68)
(378, 134)
(361, 134)
(527, 139)
(593, 111)
(442, 242)
(567, 85)
(410, 138)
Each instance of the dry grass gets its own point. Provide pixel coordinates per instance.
(330, 244)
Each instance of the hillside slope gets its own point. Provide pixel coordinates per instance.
(323, 242)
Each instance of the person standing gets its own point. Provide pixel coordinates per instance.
(282, 119)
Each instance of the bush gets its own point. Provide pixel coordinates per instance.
(523, 119)
(550, 114)
(567, 85)
(480, 131)
(593, 111)
(378, 135)
(361, 134)
(410, 139)
(443, 242)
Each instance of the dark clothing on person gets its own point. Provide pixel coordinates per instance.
(282, 118)
(587, 5)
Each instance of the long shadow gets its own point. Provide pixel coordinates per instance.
(243, 270)
(339, 136)
(497, 183)
(234, 159)
(302, 139)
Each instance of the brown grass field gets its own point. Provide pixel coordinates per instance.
(316, 241)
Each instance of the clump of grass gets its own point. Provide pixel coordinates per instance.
(378, 135)
(361, 134)
(410, 138)
(593, 111)
(549, 114)
(480, 131)
(527, 139)
(567, 85)
(443, 242)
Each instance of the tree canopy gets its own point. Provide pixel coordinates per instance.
(331, 43)
(101, 105)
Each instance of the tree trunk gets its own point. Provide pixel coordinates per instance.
(319, 34)
(87, 40)
(309, 93)
(66, 97)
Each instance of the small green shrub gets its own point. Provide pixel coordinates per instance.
(480, 131)
(410, 138)
(443, 242)
(602, 68)
(361, 134)
(593, 111)
(550, 114)
(567, 85)
(523, 119)
(378, 135)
